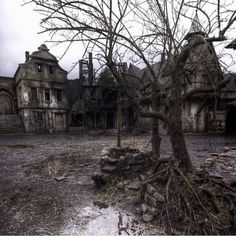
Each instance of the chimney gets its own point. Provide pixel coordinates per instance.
(90, 68)
(27, 56)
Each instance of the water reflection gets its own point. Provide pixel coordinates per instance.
(93, 221)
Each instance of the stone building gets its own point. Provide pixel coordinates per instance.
(36, 96)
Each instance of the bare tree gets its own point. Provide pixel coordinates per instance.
(107, 27)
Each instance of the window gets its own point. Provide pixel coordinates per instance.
(47, 95)
(59, 95)
(50, 69)
(38, 116)
(34, 94)
(40, 67)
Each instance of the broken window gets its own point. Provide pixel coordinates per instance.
(59, 95)
(50, 69)
(40, 67)
(34, 95)
(47, 95)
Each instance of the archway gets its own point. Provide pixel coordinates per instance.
(6, 103)
(230, 123)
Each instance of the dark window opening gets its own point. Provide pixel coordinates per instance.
(34, 94)
(59, 95)
(77, 119)
(50, 68)
(47, 95)
(40, 67)
(38, 116)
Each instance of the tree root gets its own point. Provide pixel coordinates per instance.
(194, 203)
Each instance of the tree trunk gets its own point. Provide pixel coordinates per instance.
(177, 139)
(175, 121)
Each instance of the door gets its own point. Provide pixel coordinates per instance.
(59, 122)
(6, 104)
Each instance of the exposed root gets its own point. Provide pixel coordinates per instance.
(195, 203)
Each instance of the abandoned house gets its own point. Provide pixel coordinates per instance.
(34, 99)
(93, 101)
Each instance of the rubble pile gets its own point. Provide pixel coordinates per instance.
(152, 200)
(221, 164)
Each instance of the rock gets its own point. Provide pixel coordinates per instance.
(137, 156)
(226, 149)
(149, 200)
(131, 161)
(150, 189)
(159, 197)
(128, 155)
(59, 178)
(103, 160)
(144, 207)
(105, 152)
(134, 186)
(125, 167)
(112, 160)
(147, 217)
(109, 168)
(122, 159)
(152, 210)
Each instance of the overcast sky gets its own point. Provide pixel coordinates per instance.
(19, 27)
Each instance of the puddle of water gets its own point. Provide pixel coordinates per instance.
(93, 221)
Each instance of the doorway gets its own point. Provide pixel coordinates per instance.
(230, 123)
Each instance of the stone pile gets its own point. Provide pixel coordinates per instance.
(221, 164)
(152, 201)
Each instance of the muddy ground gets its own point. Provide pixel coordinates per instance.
(46, 185)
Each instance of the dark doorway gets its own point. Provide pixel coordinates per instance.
(230, 124)
(110, 120)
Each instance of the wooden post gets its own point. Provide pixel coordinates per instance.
(119, 115)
